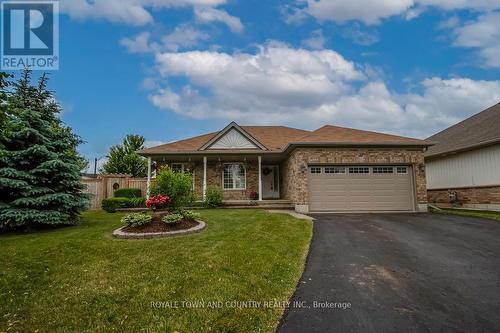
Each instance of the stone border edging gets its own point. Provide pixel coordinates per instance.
(119, 233)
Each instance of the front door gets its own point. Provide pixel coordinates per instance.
(270, 182)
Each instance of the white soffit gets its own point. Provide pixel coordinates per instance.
(233, 139)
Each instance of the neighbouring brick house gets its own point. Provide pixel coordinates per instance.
(329, 169)
(463, 167)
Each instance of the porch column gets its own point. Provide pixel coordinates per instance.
(149, 178)
(260, 178)
(204, 178)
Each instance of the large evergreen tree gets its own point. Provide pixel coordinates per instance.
(123, 159)
(4, 84)
(39, 164)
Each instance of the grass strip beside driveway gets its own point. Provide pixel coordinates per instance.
(492, 215)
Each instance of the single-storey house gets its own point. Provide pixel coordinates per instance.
(329, 169)
(463, 167)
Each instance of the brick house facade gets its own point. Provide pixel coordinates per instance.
(295, 168)
(277, 160)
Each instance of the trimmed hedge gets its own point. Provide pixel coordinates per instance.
(112, 204)
(138, 202)
(127, 193)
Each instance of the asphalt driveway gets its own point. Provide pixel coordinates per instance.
(399, 273)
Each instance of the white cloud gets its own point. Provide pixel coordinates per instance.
(483, 34)
(149, 83)
(138, 44)
(414, 12)
(153, 143)
(479, 5)
(445, 102)
(449, 23)
(133, 12)
(367, 11)
(358, 35)
(127, 11)
(293, 15)
(372, 11)
(209, 15)
(304, 88)
(316, 41)
(275, 73)
(184, 36)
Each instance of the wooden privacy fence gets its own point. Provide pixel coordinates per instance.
(104, 185)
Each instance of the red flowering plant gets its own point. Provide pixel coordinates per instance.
(157, 201)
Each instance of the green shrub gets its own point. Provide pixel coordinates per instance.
(213, 197)
(171, 218)
(136, 219)
(177, 185)
(137, 202)
(188, 214)
(127, 193)
(112, 204)
(197, 204)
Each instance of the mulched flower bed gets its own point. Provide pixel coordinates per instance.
(157, 225)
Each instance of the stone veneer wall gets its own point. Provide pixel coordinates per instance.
(484, 197)
(214, 178)
(295, 168)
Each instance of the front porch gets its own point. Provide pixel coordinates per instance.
(265, 203)
(244, 180)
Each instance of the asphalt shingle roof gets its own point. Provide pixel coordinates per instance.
(481, 129)
(277, 138)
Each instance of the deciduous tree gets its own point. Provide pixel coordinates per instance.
(123, 159)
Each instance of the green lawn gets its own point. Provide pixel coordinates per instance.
(475, 213)
(80, 279)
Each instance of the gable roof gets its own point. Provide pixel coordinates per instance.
(479, 130)
(233, 127)
(279, 138)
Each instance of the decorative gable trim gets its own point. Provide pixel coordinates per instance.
(233, 140)
(233, 137)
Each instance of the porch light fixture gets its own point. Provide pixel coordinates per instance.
(303, 168)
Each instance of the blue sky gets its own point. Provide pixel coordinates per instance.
(170, 69)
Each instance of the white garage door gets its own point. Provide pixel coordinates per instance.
(360, 188)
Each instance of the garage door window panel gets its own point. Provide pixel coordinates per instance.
(359, 170)
(315, 170)
(335, 170)
(402, 170)
(383, 169)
